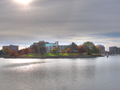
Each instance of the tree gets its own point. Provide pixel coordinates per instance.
(73, 47)
(81, 49)
(89, 47)
(96, 50)
(13, 53)
(63, 51)
(55, 50)
(34, 48)
(68, 50)
(19, 51)
(6, 50)
(41, 47)
(26, 51)
(38, 48)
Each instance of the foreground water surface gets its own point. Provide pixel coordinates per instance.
(100, 73)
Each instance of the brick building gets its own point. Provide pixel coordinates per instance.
(12, 47)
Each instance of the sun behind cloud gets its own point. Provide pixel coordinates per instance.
(24, 1)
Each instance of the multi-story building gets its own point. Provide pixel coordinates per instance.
(114, 50)
(50, 46)
(102, 48)
(118, 50)
(12, 47)
(62, 47)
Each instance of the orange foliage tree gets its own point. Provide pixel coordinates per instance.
(63, 51)
(68, 50)
(81, 49)
(26, 51)
(13, 53)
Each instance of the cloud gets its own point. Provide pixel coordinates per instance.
(60, 20)
(106, 35)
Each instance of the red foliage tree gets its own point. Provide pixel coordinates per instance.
(81, 49)
(13, 53)
(26, 51)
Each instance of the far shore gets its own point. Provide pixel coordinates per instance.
(44, 57)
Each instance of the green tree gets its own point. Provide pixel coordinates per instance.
(73, 47)
(96, 50)
(42, 47)
(68, 50)
(89, 47)
(34, 48)
(6, 50)
(55, 50)
(38, 48)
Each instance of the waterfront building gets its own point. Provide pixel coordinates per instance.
(12, 47)
(118, 50)
(102, 48)
(114, 50)
(49, 46)
(62, 47)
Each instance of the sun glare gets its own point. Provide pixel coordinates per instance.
(24, 1)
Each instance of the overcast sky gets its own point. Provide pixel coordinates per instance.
(65, 21)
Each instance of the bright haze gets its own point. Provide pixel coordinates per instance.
(23, 22)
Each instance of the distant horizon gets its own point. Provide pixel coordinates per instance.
(26, 46)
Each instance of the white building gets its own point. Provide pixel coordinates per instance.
(50, 46)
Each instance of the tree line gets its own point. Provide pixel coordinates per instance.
(87, 47)
(40, 48)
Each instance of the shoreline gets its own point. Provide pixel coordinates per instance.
(50, 57)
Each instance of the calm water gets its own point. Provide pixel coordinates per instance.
(60, 74)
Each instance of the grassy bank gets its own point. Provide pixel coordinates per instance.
(57, 55)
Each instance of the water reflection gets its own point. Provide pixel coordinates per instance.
(60, 74)
(23, 65)
(74, 71)
(84, 69)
